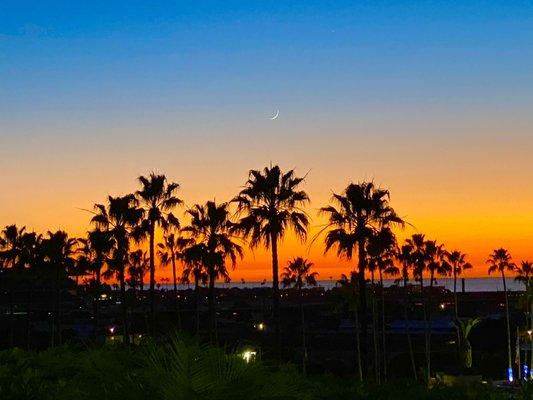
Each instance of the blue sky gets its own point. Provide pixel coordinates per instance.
(432, 99)
(108, 59)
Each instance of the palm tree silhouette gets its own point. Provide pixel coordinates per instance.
(381, 255)
(525, 275)
(458, 265)
(349, 296)
(139, 265)
(193, 257)
(357, 214)
(95, 251)
(10, 253)
(59, 255)
(435, 255)
(296, 274)
(406, 258)
(272, 202)
(500, 261)
(119, 218)
(211, 227)
(169, 252)
(158, 198)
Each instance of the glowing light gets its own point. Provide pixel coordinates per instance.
(442, 306)
(248, 355)
(260, 326)
(510, 374)
(112, 330)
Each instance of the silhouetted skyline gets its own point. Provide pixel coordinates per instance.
(432, 101)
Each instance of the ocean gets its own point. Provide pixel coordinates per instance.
(488, 284)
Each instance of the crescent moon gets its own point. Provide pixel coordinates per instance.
(275, 116)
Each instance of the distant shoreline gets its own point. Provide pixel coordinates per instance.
(482, 284)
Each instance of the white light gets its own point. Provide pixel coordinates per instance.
(112, 330)
(248, 355)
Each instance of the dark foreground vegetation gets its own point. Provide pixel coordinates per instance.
(180, 368)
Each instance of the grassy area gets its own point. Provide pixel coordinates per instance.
(183, 369)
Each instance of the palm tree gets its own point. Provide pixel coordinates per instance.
(139, 265)
(211, 227)
(349, 288)
(272, 202)
(463, 329)
(59, 255)
(96, 249)
(500, 260)
(418, 257)
(119, 218)
(10, 252)
(169, 252)
(381, 253)
(158, 198)
(435, 254)
(192, 256)
(458, 265)
(357, 214)
(525, 275)
(296, 274)
(405, 257)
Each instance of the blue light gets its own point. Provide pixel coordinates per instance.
(510, 374)
(525, 370)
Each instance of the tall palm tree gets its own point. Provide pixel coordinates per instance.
(458, 264)
(96, 249)
(381, 256)
(169, 252)
(211, 227)
(356, 215)
(60, 256)
(524, 274)
(139, 265)
(435, 254)
(349, 288)
(405, 257)
(298, 273)
(10, 252)
(270, 204)
(419, 259)
(192, 256)
(158, 198)
(119, 217)
(500, 261)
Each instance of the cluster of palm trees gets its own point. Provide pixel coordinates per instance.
(360, 222)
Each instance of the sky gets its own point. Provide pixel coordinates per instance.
(432, 100)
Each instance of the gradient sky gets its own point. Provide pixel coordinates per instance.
(433, 100)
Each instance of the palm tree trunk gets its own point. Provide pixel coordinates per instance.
(358, 345)
(152, 277)
(509, 357)
(95, 302)
(197, 303)
(383, 333)
(530, 342)
(211, 307)
(363, 312)
(304, 345)
(426, 326)
(176, 298)
(275, 294)
(374, 328)
(430, 304)
(455, 293)
(407, 329)
(124, 306)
